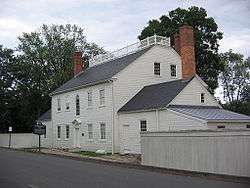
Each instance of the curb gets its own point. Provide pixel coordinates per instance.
(212, 176)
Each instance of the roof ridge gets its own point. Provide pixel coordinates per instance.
(112, 60)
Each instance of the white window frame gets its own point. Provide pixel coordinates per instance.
(157, 72)
(59, 107)
(102, 133)
(102, 97)
(141, 125)
(59, 132)
(202, 98)
(90, 131)
(90, 98)
(67, 132)
(77, 104)
(173, 76)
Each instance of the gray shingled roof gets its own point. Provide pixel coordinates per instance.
(99, 73)
(210, 113)
(45, 116)
(155, 96)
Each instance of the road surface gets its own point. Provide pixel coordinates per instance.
(28, 170)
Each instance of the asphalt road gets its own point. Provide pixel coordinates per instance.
(20, 169)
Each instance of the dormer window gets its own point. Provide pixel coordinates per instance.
(202, 97)
(157, 68)
(173, 70)
(58, 104)
(77, 105)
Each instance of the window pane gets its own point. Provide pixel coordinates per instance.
(173, 70)
(77, 105)
(67, 131)
(102, 96)
(202, 97)
(103, 130)
(143, 125)
(157, 68)
(58, 131)
(58, 104)
(90, 131)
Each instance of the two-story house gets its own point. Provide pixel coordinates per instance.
(148, 86)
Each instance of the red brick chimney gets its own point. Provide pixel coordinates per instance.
(78, 63)
(184, 45)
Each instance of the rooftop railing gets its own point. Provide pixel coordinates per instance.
(153, 40)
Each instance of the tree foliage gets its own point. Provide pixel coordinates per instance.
(206, 39)
(235, 80)
(44, 61)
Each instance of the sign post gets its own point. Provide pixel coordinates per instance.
(39, 129)
(10, 130)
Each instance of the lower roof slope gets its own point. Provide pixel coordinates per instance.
(155, 96)
(101, 72)
(210, 113)
(45, 116)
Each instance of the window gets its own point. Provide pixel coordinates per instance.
(90, 131)
(248, 126)
(90, 98)
(202, 97)
(102, 96)
(67, 105)
(173, 70)
(58, 104)
(58, 132)
(143, 125)
(77, 105)
(67, 131)
(221, 127)
(103, 130)
(157, 68)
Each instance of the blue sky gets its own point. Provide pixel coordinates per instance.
(116, 23)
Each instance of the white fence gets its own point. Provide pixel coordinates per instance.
(19, 140)
(219, 152)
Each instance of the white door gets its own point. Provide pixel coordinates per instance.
(76, 138)
(131, 139)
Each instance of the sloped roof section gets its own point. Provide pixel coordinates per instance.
(99, 73)
(210, 113)
(155, 96)
(45, 116)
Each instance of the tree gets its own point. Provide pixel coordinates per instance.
(235, 80)
(206, 39)
(44, 61)
(6, 87)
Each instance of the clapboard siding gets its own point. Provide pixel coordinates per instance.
(190, 95)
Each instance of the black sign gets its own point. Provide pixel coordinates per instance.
(39, 128)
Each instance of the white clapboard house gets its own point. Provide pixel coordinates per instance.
(147, 86)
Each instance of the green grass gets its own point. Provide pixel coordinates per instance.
(90, 153)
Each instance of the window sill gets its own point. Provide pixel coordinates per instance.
(66, 139)
(90, 140)
(67, 110)
(103, 140)
(58, 112)
(102, 106)
(58, 139)
(157, 76)
(173, 77)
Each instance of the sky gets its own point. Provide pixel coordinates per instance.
(114, 24)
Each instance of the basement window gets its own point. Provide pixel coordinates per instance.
(248, 126)
(173, 70)
(157, 68)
